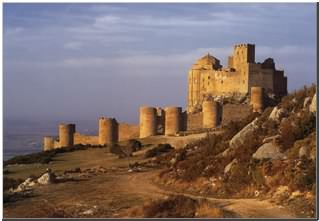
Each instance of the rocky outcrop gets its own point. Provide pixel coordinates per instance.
(47, 178)
(304, 152)
(242, 136)
(273, 139)
(229, 166)
(268, 151)
(25, 186)
(313, 105)
(278, 113)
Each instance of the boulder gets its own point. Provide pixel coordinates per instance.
(278, 113)
(245, 134)
(230, 166)
(47, 178)
(304, 152)
(273, 139)
(268, 151)
(25, 186)
(313, 105)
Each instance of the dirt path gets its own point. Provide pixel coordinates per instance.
(244, 208)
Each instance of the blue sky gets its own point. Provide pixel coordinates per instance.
(81, 61)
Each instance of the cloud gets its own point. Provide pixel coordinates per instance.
(73, 45)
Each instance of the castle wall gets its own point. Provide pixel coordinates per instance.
(235, 112)
(128, 131)
(194, 121)
(280, 83)
(56, 144)
(261, 77)
(85, 139)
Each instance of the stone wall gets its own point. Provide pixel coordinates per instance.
(194, 121)
(85, 139)
(235, 112)
(128, 131)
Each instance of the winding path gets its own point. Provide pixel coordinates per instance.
(142, 184)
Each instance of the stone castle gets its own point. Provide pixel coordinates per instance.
(207, 80)
(207, 77)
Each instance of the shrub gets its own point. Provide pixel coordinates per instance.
(173, 207)
(11, 183)
(158, 150)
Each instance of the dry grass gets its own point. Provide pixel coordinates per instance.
(205, 210)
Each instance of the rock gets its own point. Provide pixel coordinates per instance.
(268, 151)
(273, 139)
(306, 102)
(47, 178)
(313, 105)
(277, 114)
(296, 194)
(242, 136)
(282, 192)
(304, 152)
(173, 161)
(229, 152)
(230, 166)
(88, 212)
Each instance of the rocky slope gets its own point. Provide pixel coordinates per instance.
(270, 155)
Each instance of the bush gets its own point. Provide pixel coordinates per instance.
(158, 150)
(173, 207)
(11, 183)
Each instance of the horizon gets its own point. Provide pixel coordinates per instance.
(82, 61)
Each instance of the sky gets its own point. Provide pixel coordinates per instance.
(81, 61)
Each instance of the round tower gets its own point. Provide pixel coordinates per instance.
(48, 143)
(148, 121)
(108, 131)
(212, 114)
(66, 132)
(173, 120)
(257, 99)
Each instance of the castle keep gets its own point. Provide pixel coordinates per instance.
(207, 77)
(207, 80)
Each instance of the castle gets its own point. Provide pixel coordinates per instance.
(207, 77)
(206, 80)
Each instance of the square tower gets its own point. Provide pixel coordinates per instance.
(243, 54)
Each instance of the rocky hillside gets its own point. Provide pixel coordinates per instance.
(269, 155)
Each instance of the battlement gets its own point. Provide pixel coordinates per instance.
(244, 45)
(241, 74)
